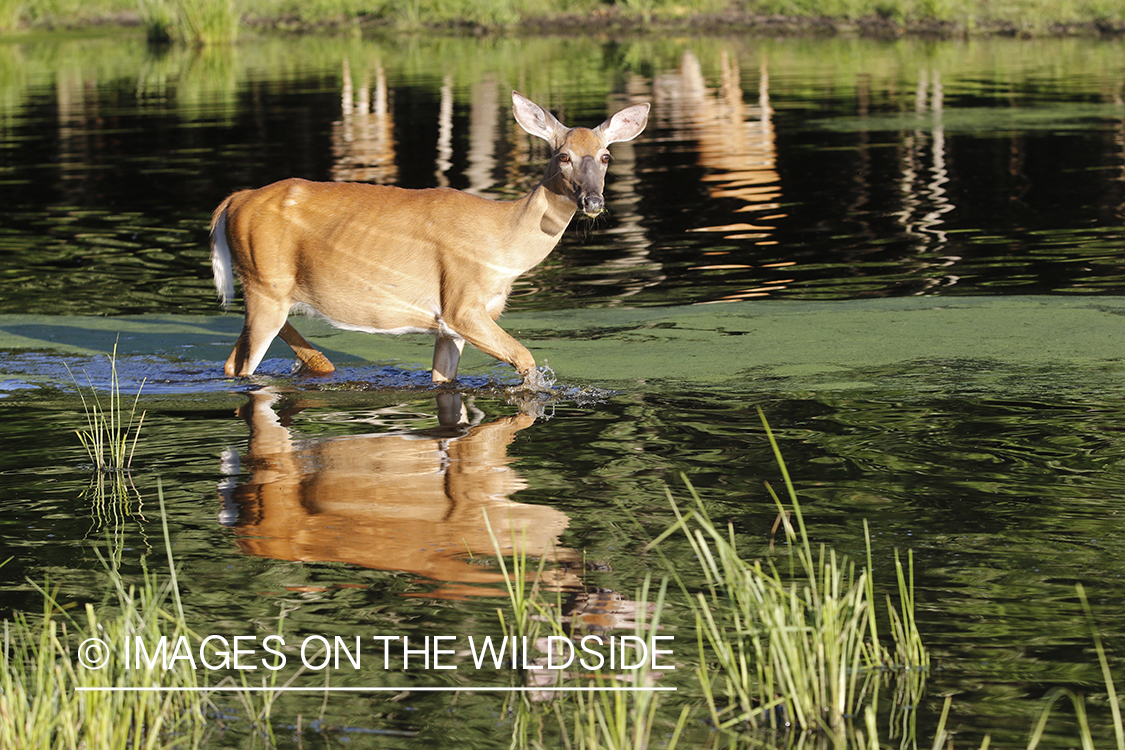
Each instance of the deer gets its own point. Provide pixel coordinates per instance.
(392, 260)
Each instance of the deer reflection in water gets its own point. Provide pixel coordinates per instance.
(409, 500)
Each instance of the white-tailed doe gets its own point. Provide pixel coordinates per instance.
(384, 259)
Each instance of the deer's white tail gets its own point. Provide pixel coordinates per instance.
(220, 257)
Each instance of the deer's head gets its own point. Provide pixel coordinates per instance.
(579, 156)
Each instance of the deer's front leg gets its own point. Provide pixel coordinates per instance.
(483, 333)
(447, 355)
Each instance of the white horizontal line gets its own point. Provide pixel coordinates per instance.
(158, 689)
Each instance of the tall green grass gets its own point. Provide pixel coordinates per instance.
(53, 696)
(199, 22)
(11, 14)
(795, 645)
(49, 699)
(628, 720)
(109, 437)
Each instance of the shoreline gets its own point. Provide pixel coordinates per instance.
(615, 22)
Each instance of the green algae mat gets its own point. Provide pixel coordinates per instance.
(1023, 344)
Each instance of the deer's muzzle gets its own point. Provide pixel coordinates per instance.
(591, 205)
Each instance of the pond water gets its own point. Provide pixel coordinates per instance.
(909, 254)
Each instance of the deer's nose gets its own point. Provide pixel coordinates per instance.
(592, 205)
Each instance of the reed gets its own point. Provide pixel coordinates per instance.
(109, 428)
(795, 648)
(53, 696)
(201, 23)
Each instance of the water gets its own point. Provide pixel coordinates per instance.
(913, 250)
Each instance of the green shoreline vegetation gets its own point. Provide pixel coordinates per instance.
(222, 21)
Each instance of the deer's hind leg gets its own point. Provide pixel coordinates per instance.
(309, 355)
(264, 318)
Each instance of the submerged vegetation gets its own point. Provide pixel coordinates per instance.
(218, 21)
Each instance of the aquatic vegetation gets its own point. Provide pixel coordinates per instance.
(797, 647)
(628, 719)
(199, 22)
(110, 440)
(106, 436)
(529, 612)
(796, 650)
(61, 688)
(1028, 15)
(808, 639)
(64, 685)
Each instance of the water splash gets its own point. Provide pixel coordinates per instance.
(539, 394)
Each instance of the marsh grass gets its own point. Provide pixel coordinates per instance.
(50, 698)
(53, 698)
(208, 22)
(219, 22)
(529, 612)
(797, 646)
(627, 719)
(199, 22)
(11, 13)
(109, 437)
(790, 651)
(596, 720)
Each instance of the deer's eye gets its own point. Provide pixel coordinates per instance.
(564, 158)
(605, 158)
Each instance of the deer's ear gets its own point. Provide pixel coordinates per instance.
(625, 125)
(536, 120)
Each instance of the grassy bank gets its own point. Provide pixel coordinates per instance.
(220, 21)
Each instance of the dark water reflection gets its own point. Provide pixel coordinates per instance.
(778, 169)
(775, 169)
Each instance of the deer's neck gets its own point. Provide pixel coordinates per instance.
(542, 216)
